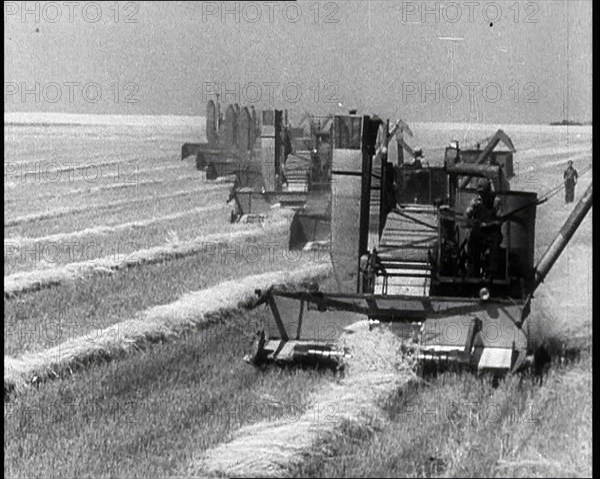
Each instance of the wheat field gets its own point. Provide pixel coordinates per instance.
(143, 260)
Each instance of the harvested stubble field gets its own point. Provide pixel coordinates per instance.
(168, 409)
(149, 414)
(119, 211)
(157, 324)
(23, 198)
(461, 426)
(117, 237)
(60, 203)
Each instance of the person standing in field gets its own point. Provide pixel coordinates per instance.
(570, 176)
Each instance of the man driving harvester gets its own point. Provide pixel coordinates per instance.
(486, 232)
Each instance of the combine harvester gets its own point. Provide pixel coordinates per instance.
(273, 164)
(402, 263)
(231, 144)
(299, 178)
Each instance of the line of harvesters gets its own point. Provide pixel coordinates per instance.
(272, 163)
(396, 234)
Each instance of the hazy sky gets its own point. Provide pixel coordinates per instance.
(517, 62)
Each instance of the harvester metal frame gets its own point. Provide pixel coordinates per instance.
(404, 310)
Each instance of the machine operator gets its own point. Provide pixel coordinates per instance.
(486, 232)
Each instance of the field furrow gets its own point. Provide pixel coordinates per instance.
(110, 227)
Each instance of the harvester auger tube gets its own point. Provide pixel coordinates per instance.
(563, 237)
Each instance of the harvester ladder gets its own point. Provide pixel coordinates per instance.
(404, 251)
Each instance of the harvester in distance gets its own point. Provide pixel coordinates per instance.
(399, 237)
(232, 144)
(271, 164)
(296, 174)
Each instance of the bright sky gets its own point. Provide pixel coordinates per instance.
(486, 62)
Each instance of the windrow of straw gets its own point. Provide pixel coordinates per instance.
(111, 229)
(30, 281)
(60, 212)
(378, 367)
(156, 324)
(58, 193)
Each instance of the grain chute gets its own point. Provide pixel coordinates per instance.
(398, 254)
